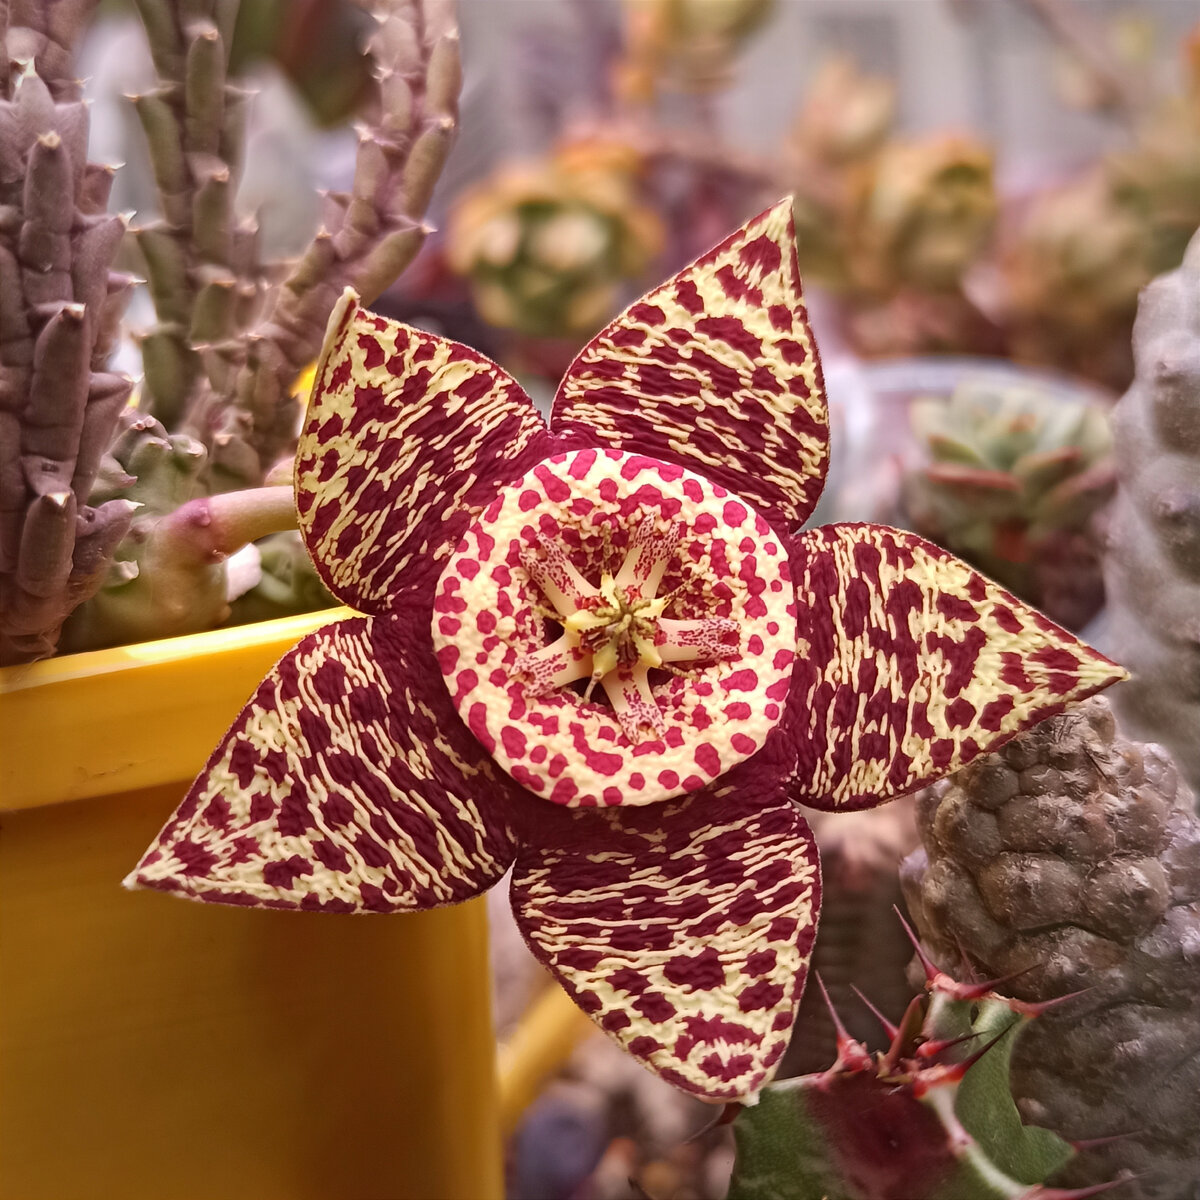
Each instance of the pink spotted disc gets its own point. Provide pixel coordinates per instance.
(617, 630)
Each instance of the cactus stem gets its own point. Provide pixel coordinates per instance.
(931, 969)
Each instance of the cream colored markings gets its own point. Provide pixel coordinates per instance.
(272, 777)
(770, 431)
(418, 455)
(1052, 666)
(575, 752)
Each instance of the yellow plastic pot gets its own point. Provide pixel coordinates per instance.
(154, 1048)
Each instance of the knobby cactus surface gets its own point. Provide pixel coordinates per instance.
(1072, 858)
(231, 334)
(1152, 567)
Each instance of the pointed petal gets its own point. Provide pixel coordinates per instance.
(347, 783)
(407, 437)
(715, 370)
(683, 929)
(910, 663)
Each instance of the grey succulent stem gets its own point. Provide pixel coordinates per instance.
(229, 344)
(60, 304)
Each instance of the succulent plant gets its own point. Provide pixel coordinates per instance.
(930, 1117)
(1070, 862)
(1013, 478)
(1152, 563)
(1072, 267)
(689, 44)
(232, 332)
(549, 248)
(928, 213)
(60, 306)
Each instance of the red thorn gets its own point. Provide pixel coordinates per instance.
(850, 1054)
(888, 1028)
(933, 1048)
(976, 991)
(910, 1023)
(1091, 1143)
(955, 1071)
(932, 970)
(1053, 1193)
(1034, 1009)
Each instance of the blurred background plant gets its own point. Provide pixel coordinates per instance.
(117, 523)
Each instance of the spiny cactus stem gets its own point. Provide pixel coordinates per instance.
(210, 528)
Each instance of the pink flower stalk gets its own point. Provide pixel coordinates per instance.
(602, 654)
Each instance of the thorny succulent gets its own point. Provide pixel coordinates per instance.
(1014, 477)
(661, 869)
(930, 1118)
(1152, 564)
(232, 332)
(1070, 862)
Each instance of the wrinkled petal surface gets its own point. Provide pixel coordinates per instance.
(715, 370)
(683, 929)
(910, 664)
(346, 784)
(407, 437)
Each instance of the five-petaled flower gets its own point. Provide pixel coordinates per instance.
(603, 654)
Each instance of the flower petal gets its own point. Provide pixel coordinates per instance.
(407, 437)
(910, 664)
(347, 783)
(683, 929)
(715, 370)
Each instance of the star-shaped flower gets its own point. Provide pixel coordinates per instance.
(601, 654)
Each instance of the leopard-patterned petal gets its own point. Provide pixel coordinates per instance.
(407, 436)
(715, 370)
(347, 784)
(684, 929)
(910, 663)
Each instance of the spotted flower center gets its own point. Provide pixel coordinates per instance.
(615, 633)
(616, 630)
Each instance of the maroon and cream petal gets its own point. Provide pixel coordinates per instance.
(407, 437)
(910, 663)
(347, 784)
(715, 370)
(683, 929)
